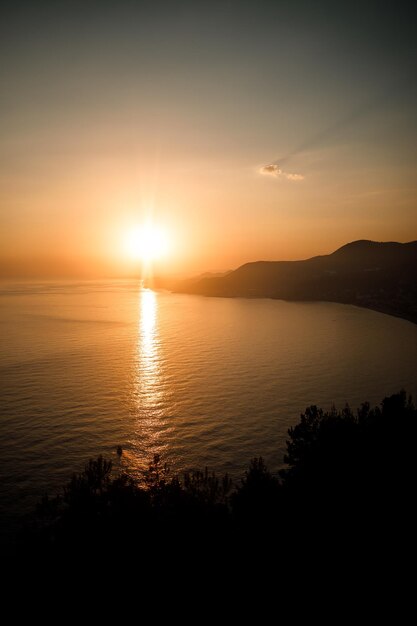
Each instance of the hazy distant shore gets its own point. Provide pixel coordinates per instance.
(380, 276)
(385, 308)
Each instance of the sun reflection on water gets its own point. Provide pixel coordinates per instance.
(148, 388)
(148, 348)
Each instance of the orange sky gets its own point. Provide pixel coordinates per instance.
(123, 114)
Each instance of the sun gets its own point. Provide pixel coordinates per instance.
(146, 243)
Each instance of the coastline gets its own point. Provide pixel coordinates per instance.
(385, 308)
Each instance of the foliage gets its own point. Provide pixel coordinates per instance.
(340, 466)
(257, 497)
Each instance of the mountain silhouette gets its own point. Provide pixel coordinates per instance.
(376, 275)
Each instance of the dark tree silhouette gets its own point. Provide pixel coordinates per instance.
(349, 477)
(354, 470)
(256, 500)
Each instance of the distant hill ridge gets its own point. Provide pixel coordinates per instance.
(377, 275)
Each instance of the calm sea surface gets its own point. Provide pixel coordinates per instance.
(203, 381)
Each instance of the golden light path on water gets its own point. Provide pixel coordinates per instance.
(148, 385)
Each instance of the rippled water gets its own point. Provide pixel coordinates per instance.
(202, 381)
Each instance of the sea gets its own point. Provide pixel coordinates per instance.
(86, 367)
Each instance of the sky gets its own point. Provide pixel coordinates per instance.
(245, 130)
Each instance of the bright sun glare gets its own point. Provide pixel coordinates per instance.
(147, 243)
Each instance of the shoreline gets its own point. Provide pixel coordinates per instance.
(385, 309)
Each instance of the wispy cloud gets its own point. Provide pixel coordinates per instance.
(293, 176)
(273, 170)
(270, 169)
